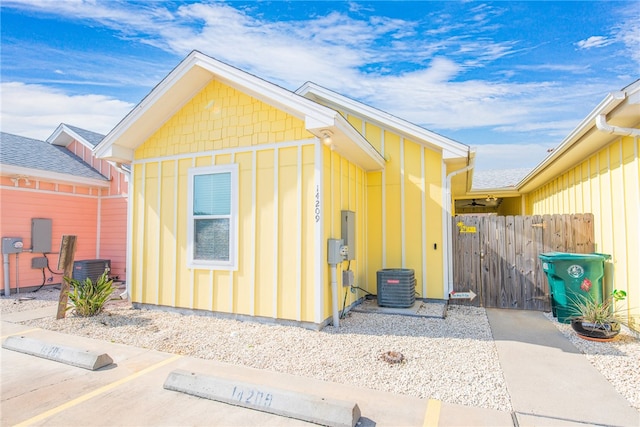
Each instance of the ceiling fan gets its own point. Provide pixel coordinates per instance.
(474, 203)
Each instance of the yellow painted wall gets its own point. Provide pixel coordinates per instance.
(398, 211)
(220, 117)
(277, 189)
(606, 184)
(344, 189)
(404, 210)
(510, 206)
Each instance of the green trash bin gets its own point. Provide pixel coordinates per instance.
(571, 275)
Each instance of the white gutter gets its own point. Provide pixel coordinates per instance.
(606, 106)
(55, 177)
(602, 125)
(129, 261)
(448, 255)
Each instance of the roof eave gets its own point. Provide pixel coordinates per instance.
(450, 148)
(63, 136)
(193, 73)
(181, 84)
(55, 177)
(590, 138)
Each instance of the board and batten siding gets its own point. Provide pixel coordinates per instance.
(344, 188)
(606, 184)
(112, 220)
(278, 189)
(404, 226)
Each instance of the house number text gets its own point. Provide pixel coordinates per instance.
(252, 397)
(317, 210)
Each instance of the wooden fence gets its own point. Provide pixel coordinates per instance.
(497, 256)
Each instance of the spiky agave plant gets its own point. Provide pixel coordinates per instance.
(88, 298)
(587, 309)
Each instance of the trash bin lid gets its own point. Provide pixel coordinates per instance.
(568, 256)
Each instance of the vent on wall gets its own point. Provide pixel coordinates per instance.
(90, 268)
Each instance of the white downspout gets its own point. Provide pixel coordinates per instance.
(602, 125)
(127, 175)
(448, 259)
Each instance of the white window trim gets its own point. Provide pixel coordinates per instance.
(232, 264)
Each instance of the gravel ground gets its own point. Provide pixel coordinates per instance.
(453, 359)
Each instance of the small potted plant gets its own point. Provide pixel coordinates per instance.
(597, 321)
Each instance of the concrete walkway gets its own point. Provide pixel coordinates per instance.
(534, 355)
(550, 382)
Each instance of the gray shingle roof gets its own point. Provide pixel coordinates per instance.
(92, 138)
(30, 153)
(498, 178)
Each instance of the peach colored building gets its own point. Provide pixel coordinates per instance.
(61, 182)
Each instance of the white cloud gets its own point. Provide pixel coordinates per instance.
(594, 41)
(353, 55)
(35, 111)
(627, 32)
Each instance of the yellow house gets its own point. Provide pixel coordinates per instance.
(238, 184)
(595, 169)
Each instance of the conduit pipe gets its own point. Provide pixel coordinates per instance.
(602, 125)
(334, 295)
(448, 226)
(7, 284)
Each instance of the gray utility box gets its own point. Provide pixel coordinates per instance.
(39, 263)
(396, 287)
(90, 268)
(41, 235)
(349, 233)
(11, 245)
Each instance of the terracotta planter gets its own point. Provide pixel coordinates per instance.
(595, 332)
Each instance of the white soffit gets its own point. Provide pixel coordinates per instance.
(449, 147)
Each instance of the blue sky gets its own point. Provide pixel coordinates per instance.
(511, 79)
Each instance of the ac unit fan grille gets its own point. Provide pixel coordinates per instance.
(90, 268)
(396, 287)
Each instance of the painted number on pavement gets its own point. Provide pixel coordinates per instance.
(252, 397)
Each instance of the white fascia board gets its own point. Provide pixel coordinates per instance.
(266, 91)
(369, 158)
(118, 154)
(608, 104)
(57, 137)
(63, 136)
(143, 107)
(8, 170)
(314, 114)
(449, 147)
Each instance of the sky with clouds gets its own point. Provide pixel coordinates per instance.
(511, 79)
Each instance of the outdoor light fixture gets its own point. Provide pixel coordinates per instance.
(16, 179)
(326, 136)
(491, 198)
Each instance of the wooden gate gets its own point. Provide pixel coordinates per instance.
(497, 256)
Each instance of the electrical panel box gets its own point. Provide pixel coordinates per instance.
(11, 245)
(349, 233)
(334, 251)
(41, 235)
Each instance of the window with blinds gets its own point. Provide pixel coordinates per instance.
(212, 213)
